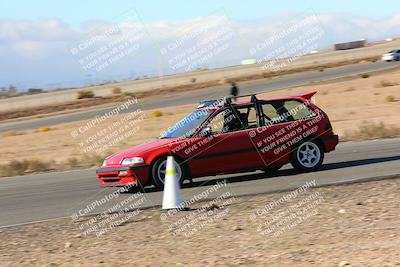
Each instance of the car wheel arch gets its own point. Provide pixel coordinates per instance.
(176, 157)
(315, 138)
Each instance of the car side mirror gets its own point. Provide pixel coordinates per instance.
(205, 132)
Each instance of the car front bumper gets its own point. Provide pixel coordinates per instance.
(124, 175)
(387, 57)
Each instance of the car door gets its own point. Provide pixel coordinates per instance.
(228, 148)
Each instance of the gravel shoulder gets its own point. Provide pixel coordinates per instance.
(347, 225)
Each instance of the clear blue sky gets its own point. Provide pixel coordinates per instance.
(76, 12)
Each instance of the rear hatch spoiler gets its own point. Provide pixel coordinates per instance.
(307, 96)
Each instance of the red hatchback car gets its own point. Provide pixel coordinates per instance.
(222, 136)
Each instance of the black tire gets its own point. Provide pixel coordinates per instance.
(307, 156)
(158, 180)
(397, 58)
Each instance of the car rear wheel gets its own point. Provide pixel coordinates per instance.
(307, 156)
(158, 171)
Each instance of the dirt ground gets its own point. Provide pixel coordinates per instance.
(54, 107)
(349, 104)
(347, 225)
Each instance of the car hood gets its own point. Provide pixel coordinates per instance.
(137, 151)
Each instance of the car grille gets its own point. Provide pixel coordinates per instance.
(111, 180)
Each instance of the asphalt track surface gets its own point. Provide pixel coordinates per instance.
(196, 96)
(41, 197)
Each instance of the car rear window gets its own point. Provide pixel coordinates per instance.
(300, 110)
(285, 111)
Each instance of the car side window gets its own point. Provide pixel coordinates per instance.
(276, 112)
(217, 123)
(247, 116)
(234, 119)
(270, 114)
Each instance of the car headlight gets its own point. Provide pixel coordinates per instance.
(104, 163)
(131, 161)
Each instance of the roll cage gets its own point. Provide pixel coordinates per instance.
(227, 103)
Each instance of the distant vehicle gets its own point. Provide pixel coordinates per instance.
(222, 136)
(350, 45)
(392, 55)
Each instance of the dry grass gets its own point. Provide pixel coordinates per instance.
(350, 89)
(156, 114)
(325, 92)
(43, 129)
(29, 166)
(73, 105)
(85, 94)
(12, 133)
(20, 167)
(390, 98)
(116, 91)
(384, 83)
(73, 162)
(130, 94)
(88, 160)
(370, 130)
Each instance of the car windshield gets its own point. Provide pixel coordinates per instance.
(187, 126)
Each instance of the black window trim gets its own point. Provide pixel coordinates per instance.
(214, 114)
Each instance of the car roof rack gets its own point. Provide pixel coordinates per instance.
(225, 101)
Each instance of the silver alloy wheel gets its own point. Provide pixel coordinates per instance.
(308, 154)
(162, 169)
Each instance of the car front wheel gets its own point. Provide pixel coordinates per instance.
(158, 171)
(307, 156)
